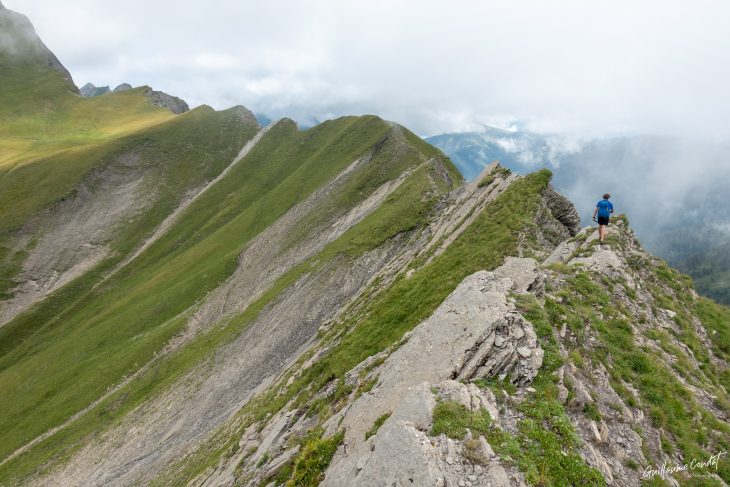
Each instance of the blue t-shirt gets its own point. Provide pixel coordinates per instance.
(605, 208)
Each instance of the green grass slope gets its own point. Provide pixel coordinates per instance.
(93, 338)
(170, 166)
(40, 109)
(51, 139)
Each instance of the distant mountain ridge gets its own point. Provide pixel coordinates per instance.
(520, 151)
(174, 104)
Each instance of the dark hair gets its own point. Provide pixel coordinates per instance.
(606, 196)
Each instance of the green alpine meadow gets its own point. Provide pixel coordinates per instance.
(192, 297)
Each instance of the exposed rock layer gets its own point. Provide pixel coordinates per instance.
(476, 332)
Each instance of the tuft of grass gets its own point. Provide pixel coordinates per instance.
(591, 411)
(496, 385)
(366, 386)
(576, 358)
(453, 419)
(486, 180)
(262, 461)
(376, 425)
(311, 463)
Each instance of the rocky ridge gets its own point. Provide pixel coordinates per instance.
(159, 98)
(476, 332)
(480, 353)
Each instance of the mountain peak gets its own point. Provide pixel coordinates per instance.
(123, 87)
(89, 90)
(161, 99)
(19, 42)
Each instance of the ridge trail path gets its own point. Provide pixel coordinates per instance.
(164, 226)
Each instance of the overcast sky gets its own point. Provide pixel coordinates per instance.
(581, 67)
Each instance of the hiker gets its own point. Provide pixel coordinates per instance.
(603, 210)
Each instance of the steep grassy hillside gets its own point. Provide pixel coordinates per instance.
(93, 337)
(58, 150)
(40, 108)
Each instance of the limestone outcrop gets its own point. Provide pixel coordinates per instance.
(476, 332)
(479, 335)
(162, 99)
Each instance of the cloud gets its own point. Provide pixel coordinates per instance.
(662, 182)
(588, 68)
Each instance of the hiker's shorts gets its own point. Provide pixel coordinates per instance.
(603, 220)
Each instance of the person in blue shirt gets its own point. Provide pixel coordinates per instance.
(603, 211)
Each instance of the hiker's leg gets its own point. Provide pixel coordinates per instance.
(601, 231)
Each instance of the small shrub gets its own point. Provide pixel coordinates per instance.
(486, 181)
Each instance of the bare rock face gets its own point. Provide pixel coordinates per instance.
(403, 453)
(476, 332)
(158, 98)
(90, 90)
(161, 99)
(562, 209)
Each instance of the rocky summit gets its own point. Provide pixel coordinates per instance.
(190, 298)
(158, 98)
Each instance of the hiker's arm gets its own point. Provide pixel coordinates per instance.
(595, 212)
